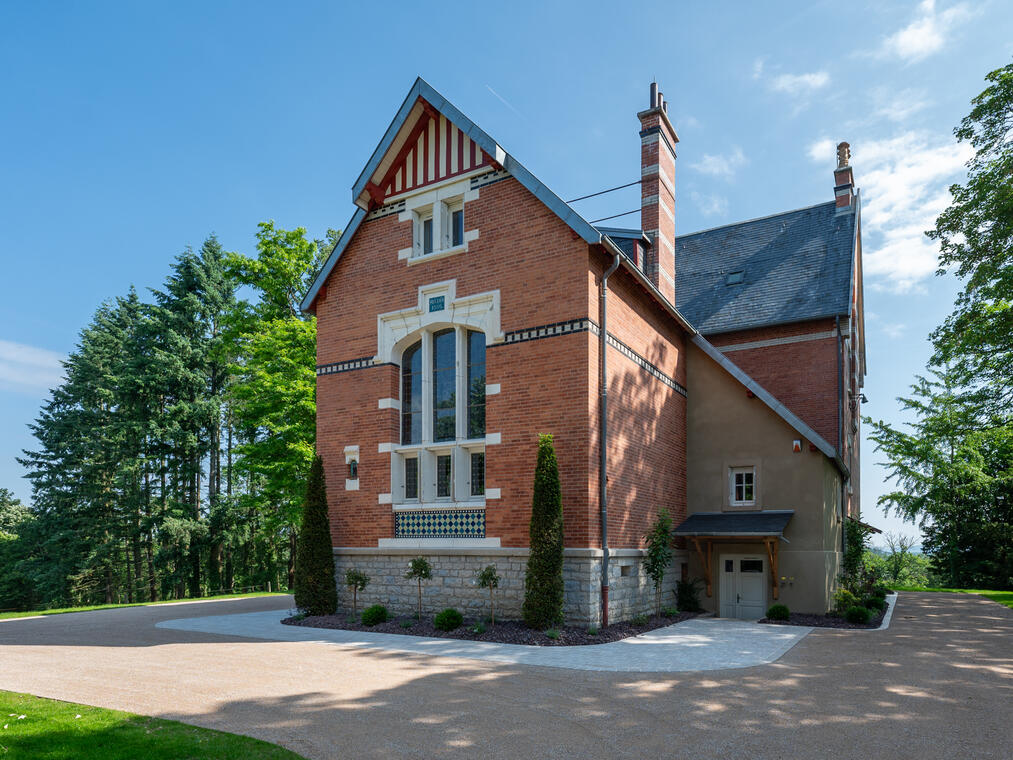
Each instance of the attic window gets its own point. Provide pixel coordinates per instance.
(439, 227)
(735, 278)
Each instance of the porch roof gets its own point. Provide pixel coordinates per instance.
(771, 522)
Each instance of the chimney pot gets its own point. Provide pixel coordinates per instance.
(843, 155)
(661, 100)
(654, 95)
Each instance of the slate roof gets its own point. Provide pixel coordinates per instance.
(767, 523)
(795, 266)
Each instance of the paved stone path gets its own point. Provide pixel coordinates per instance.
(693, 645)
(938, 683)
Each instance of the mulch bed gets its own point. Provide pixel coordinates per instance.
(506, 632)
(827, 621)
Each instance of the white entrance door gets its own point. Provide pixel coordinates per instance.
(743, 586)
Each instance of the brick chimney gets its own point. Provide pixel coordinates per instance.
(844, 179)
(657, 192)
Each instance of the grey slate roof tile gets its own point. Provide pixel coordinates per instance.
(796, 266)
(759, 523)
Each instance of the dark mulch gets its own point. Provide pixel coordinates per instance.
(827, 621)
(506, 632)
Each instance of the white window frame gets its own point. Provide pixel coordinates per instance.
(743, 470)
(441, 212)
(460, 448)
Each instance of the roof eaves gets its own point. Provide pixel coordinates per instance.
(776, 406)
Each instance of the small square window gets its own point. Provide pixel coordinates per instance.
(735, 278)
(743, 486)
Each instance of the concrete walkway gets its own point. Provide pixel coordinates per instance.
(693, 645)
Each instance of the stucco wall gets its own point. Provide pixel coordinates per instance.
(727, 428)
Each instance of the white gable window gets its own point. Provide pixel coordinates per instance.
(438, 227)
(742, 486)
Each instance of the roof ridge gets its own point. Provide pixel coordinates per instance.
(754, 219)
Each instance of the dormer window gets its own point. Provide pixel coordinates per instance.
(439, 227)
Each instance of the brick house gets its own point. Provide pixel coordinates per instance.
(467, 308)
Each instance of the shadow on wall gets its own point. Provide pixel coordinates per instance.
(917, 694)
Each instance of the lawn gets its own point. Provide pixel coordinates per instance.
(1003, 597)
(45, 729)
(62, 610)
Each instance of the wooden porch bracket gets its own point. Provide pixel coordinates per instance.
(772, 549)
(706, 562)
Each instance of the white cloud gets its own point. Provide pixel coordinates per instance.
(904, 181)
(710, 205)
(823, 149)
(687, 122)
(926, 34)
(29, 368)
(717, 165)
(894, 330)
(800, 84)
(898, 106)
(758, 65)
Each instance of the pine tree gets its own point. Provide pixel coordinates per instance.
(315, 587)
(543, 582)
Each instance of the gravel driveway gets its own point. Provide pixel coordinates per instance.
(937, 683)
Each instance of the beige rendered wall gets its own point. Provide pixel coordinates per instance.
(727, 428)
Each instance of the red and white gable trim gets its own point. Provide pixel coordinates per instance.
(434, 150)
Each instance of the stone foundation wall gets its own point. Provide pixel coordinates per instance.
(453, 583)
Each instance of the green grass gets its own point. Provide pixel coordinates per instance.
(1002, 597)
(45, 729)
(63, 610)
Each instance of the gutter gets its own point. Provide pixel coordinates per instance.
(603, 442)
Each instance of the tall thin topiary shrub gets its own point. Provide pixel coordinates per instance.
(316, 591)
(419, 570)
(543, 582)
(659, 553)
(489, 578)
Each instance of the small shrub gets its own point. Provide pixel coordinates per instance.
(592, 631)
(844, 600)
(356, 580)
(778, 612)
(478, 629)
(448, 620)
(374, 615)
(489, 578)
(857, 614)
(687, 595)
(407, 623)
(639, 620)
(880, 590)
(669, 612)
(419, 570)
(315, 588)
(873, 602)
(552, 633)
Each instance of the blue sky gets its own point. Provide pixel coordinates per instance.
(131, 130)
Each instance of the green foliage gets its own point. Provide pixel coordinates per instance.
(478, 628)
(639, 620)
(592, 631)
(873, 602)
(778, 612)
(315, 587)
(669, 612)
(857, 614)
(408, 623)
(856, 537)
(355, 581)
(448, 620)
(659, 553)
(844, 600)
(552, 633)
(543, 581)
(55, 729)
(374, 615)
(419, 570)
(687, 595)
(488, 578)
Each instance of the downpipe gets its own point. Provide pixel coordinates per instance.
(603, 446)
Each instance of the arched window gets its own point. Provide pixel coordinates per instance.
(442, 451)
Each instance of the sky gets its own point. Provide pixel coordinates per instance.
(129, 131)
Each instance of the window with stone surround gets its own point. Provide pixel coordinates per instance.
(742, 486)
(438, 227)
(441, 455)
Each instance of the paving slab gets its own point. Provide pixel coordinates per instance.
(693, 645)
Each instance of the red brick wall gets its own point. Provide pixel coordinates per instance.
(539, 267)
(803, 376)
(647, 418)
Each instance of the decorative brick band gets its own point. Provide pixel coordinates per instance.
(386, 210)
(637, 359)
(489, 178)
(440, 523)
(345, 366)
(550, 331)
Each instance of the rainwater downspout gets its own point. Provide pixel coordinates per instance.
(840, 430)
(603, 446)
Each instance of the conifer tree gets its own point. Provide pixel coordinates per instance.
(543, 582)
(315, 587)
